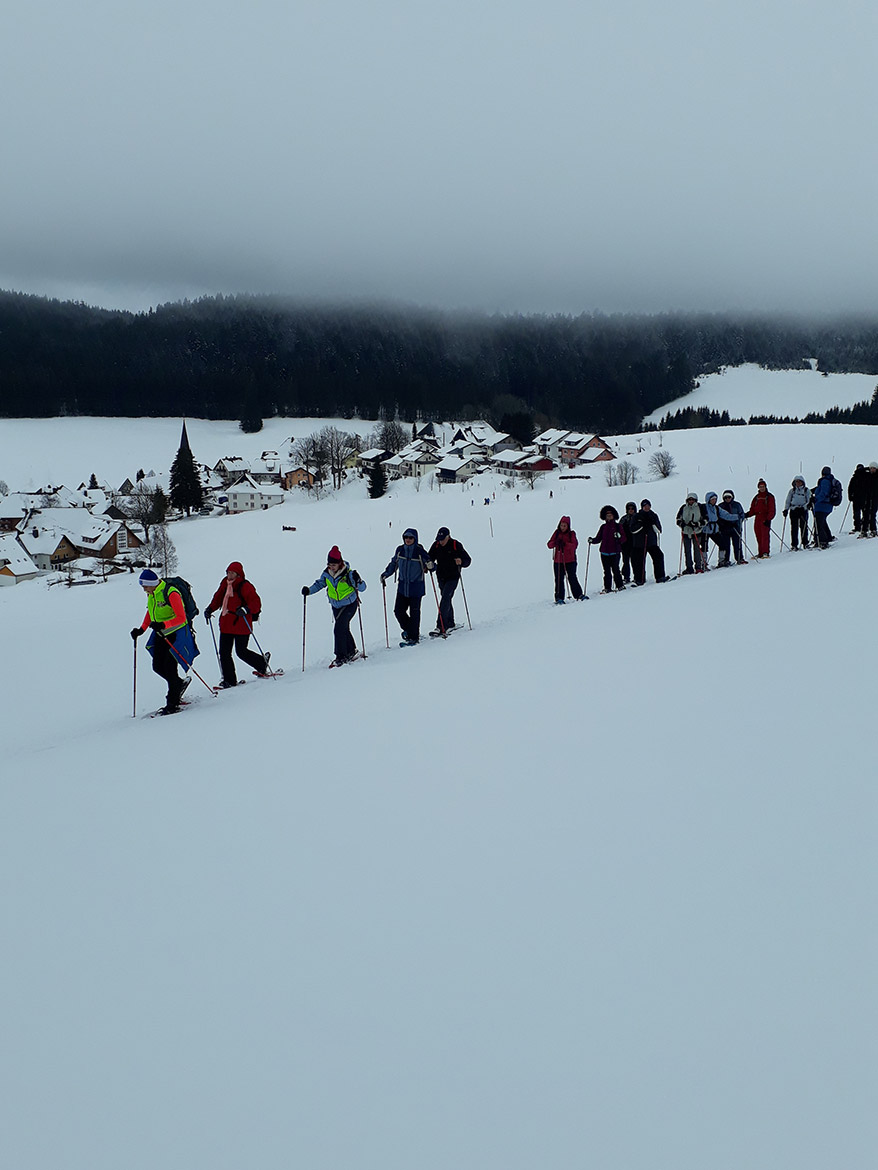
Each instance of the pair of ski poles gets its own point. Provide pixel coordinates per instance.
(305, 618)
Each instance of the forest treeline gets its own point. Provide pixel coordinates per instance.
(257, 357)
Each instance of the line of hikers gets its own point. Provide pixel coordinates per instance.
(170, 609)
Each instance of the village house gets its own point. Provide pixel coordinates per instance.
(47, 546)
(231, 469)
(457, 469)
(578, 448)
(15, 564)
(369, 460)
(248, 496)
(296, 477)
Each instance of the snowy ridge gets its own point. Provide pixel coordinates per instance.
(584, 886)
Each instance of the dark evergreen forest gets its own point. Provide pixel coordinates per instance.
(256, 357)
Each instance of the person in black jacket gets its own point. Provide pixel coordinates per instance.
(645, 531)
(858, 489)
(870, 501)
(450, 557)
(627, 523)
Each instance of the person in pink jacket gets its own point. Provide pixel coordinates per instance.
(564, 544)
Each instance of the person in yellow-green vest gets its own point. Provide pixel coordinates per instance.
(342, 584)
(166, 618)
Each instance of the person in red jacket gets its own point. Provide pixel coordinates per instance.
(763, 510)
(563, 541)
(239, 607)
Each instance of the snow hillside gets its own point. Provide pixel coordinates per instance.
(747, 390)
(584, 886)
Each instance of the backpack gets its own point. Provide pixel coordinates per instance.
(835, 492)
(185, 591)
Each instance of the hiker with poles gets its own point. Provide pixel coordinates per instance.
(796, 507)
(858, 489)
(827, 495)
(239, 607)
(628, 544)
(763, 509)
(170, 641)
(645, 532)
(342, 584)
(731, 520)
(611, 539)
(564, 543)
(450, 558)
(690, 518)
(410, 562)
(870, 502)
(710, 531)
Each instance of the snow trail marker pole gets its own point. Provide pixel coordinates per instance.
(465, 606)
(304, 616)
(384, 597)
(188, 665)
(134, 709)
(269, 672)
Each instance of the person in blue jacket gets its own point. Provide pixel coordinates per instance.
(822, 507)
(410, 562)
(342, 584)
(731, 520)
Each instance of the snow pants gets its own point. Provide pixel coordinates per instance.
(857, 509)
(567, 571)
(407, 612)
(627, 550)
(446, 609)
(763, 537)
(692, 551)
(239, 641)
(868, 519)
(345, 646)
(799, 527)
(612, 572)
(639, 563)
(821, 521)
(165, 666)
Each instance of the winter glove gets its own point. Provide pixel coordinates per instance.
(591, 540)
(767, 523)
(785, 514)
(159, 627)
(618, 536)
(243, 610)
(430, 566)
(136, 632)
(305, 590)
(254, 617)
(383, 579)
(355, 577)
(208, 613)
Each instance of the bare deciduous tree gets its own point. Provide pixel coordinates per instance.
(160, 550)
(389, 436)
(313, 456)
(620, 473)
(662, 464)
(339, 446)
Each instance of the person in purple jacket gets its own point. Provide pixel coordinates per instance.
(611, 538)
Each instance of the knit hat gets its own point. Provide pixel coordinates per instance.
(630, 504)
(645, 504)
(762, 483)
(442, 533)
(334, 555)
(873, 466)
(728, 492)
(826, 471)
(148, 577)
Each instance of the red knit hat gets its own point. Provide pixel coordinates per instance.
(335, 555)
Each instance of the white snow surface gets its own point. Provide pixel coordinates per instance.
(747, 390)
(586, 886)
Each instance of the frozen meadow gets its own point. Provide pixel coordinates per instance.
(587, 886)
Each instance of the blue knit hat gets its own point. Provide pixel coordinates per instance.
(148, 577)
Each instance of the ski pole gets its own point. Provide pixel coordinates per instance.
(187, 665)
(844, 517)
(465, 606)
(783, 530)
(269, 671)
(134, 708)
(304, 616)
(384, 598)
(438, 606)
(362, 636)
(216, 648)
(680, 563)
(780, 538)
(585, 580)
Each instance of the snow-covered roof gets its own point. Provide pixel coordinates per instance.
(455, 463)
(577, 440)
(17, 504)
(372, 453)
(245, 484)
(550, 437)
(14, 558)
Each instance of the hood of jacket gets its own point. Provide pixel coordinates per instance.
(710, 498)
(411, 532)
(564, 520)
(236, 567)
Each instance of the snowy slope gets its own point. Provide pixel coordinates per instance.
(586, 886)
(747, 390)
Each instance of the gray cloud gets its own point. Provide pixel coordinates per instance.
(499, 156)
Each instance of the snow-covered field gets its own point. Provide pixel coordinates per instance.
(747, 390)
(589, 886)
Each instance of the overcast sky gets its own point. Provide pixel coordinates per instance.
(492, 154)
